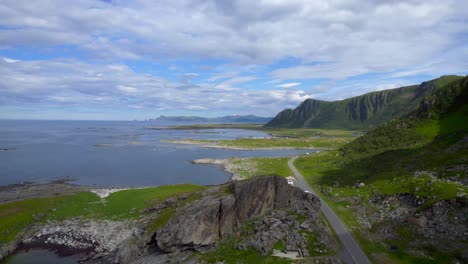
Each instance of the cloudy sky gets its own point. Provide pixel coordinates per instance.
(93, 59)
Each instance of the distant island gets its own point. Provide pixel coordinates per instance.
(249, 119)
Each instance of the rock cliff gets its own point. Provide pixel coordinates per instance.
(200, 224)
(185, 227)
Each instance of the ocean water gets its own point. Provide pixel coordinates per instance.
(43, 151)
(133, 155)
(40, 256)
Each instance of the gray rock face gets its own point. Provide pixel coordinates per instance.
(294, 233)
(194, 227)
(201, 224)
(261, 195)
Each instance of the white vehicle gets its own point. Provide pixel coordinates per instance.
(291, 182)
(306, 191)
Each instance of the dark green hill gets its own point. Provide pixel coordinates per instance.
(440, 117)
(359, 112)
(403, 180)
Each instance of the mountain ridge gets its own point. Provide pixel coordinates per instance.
(360, 112)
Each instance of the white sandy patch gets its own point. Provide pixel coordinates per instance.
(103, 193)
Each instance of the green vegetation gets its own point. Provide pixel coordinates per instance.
(359, 112)
(16, 216)
(215, 126)
(305, 142)
(167, 213)
(415, 155)
(285, 138)
(250, 167)
(227, 252)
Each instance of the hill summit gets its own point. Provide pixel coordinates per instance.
(359, 112)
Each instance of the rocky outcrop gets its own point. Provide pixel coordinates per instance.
(97, 238)
(196, 223)
(441, 225)
(199, 225)
(307, 234)
(195, 227)
(258, 196)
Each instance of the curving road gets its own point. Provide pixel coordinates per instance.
(352, 253)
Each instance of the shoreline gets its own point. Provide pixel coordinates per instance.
(213, 145)
(226, 163)
(30, 190)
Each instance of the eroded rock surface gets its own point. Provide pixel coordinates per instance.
(196, 223)
(200, 224)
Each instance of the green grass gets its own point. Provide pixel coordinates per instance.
(167, 213)
(310, 132)
(16, 216)
(216, 126)
(286, 138)
(250, 167)
(161, 220)
(227, 252)
(278, 142)
(386, 173)
(283, 142)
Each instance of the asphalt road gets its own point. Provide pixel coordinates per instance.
(352, 253)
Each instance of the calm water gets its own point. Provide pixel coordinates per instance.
(40, 256)
(47, 150)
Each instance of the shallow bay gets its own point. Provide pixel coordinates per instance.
(112, 153)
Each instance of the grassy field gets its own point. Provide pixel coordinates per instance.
(311, 132)
(317, 169)
(285, 138)
(250, 167)
(228, 253)
(16, 216)
(213, 126)
(407, 157)
(419, 156)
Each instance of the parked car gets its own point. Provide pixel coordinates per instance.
(291, 182)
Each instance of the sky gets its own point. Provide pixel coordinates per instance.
(125, 60)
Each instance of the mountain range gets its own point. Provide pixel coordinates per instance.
(360, 112)
(215, 120)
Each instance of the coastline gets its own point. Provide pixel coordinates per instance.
(228, 166)
(214, 145)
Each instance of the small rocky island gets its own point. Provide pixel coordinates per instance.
(263, 214)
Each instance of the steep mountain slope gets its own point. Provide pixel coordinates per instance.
(405, 181)
(359, 112)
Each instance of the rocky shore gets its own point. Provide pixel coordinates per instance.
(185, 227)
(228, 165)
(16, 192)
(215, 145)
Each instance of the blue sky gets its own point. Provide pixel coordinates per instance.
(140, 59)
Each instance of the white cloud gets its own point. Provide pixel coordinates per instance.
(127, 89)
(244, 43)
(368, 35)
(61, 83)
(288, 85)
(9, 60)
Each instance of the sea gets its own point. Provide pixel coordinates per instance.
(114, 153)
(111, 154)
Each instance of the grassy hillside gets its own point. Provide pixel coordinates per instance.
(16, 216)
(359, 112)
(398, 172)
